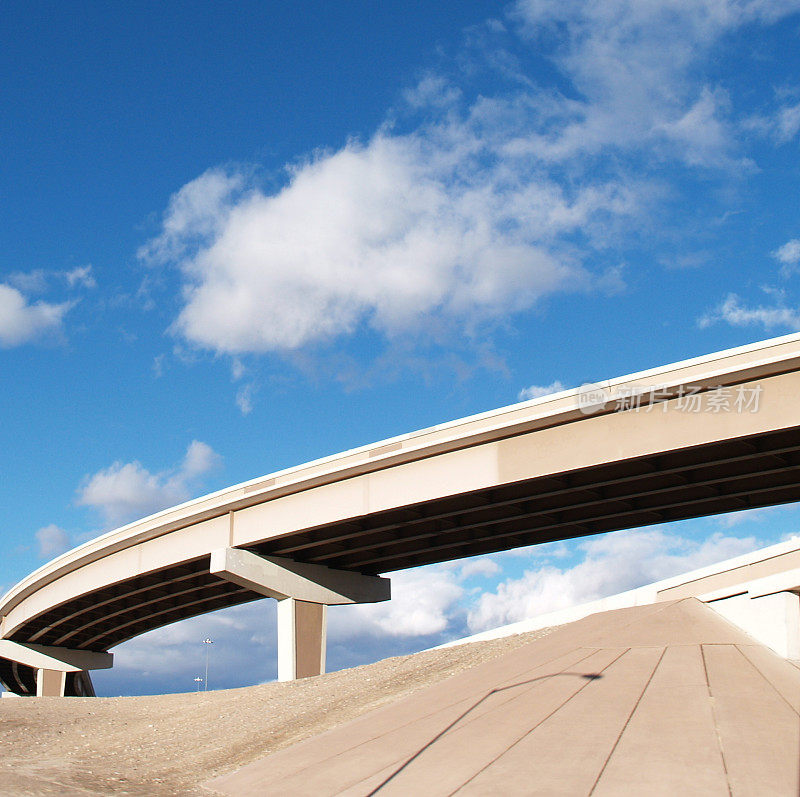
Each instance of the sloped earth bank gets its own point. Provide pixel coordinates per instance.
(168, 744)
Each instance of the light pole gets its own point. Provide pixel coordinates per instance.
(207, 642)
(198, 681)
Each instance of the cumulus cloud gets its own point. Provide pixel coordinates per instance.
(374, 234)
(126, 491)
(537, 391)
(612, 563)
(80, 277)
(52, 541)
(166, 650)
(168, 659)
(22, 321)
(486, 207)
(732, 311)
(422, 603)
(195, 214)
(483, 567)
(788, 256)
(200, 458)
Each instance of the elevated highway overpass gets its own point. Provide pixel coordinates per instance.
(714, 434)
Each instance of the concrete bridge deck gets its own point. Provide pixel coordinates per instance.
(715, 434)
(661, 700)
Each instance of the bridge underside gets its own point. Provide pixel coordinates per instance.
(21, 679)
(726, 476)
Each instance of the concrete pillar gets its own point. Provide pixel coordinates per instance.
(50, 683)
(302, 628)
(303, 591)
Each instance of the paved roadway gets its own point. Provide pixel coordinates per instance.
(663, 699)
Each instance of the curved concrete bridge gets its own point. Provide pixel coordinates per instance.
(714, 434)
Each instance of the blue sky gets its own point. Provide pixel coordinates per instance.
(238, 238)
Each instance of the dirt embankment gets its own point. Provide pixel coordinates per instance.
(167, 744)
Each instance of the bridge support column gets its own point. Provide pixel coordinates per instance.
(50, 683)
(302, 631)
(304, 591)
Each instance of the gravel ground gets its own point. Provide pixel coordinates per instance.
(168, 744)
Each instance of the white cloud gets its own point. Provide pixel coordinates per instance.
(789, 256)
(734, 519)
(195, 213)
(244, 398)
(489, 205)
(634, 70)
(52, 541)
(470, 217)
(167, 650)
(700, 133)
(686, 260)
(422, 603)
(200, 458)
(613, 563)
(23, 322)
(789, 253)
(29, 281)
(788, 122)
(38, 280)
(733, 312)
(782, 125)
(482, 566)
(158, 365)
(432, 90)
(537, 391)
(397, 239)
(81, 276)
(238, 369)
(125, 491)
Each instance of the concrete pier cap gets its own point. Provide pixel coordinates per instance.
(53, 665)
(303, 591)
